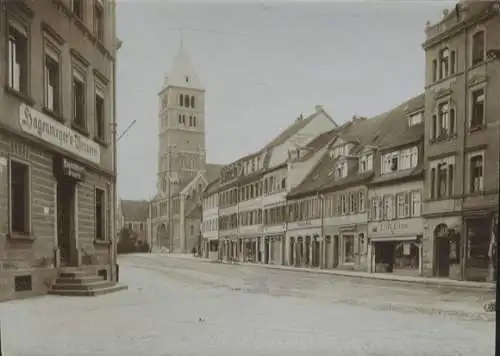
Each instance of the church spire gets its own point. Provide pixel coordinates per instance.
(182, 73)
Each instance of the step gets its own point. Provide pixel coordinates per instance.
(75, 274)
(88, 293)
(78, 280)
(86, 286)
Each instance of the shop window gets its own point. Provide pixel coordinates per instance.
(19, 198)
(348, 241)
(100, 217)
(407, 256)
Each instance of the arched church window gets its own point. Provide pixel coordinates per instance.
(186, 100)
(192, 102)
(181, 100)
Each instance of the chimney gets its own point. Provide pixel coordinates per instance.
(445, 12)
(318, 108)
(300, 117)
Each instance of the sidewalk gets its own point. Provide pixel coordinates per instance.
(483, 286)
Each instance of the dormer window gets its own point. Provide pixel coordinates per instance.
(416, 119)
(341, 170)
(366, 162)
(394, 163)
(338, 151)
(390, 162)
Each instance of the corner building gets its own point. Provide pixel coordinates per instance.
(56, 142)
(462, 102)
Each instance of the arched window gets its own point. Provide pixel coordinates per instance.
(181, 100)
(186, 100)
(184, 119)
(194, 121)
(192, 102)
(190, 121)
(180, 119)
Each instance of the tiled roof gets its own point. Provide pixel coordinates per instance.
(291, 130)
(377, 131)
(135, 210)
(318, 143)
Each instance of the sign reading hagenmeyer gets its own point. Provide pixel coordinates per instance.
(44, 127)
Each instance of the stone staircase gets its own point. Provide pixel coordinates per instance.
(82, 283)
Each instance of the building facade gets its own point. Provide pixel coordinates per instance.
(56, 141)
(135, 216)
(462, 101)
(251, 193)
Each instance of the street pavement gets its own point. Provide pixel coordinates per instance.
(180, 306)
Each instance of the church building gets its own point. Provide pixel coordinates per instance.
(183, 172)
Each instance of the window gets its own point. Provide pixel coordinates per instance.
(186, 100)
(348, 248)
(478, 47)
(79, 102)
(51, 81)
(451, 179)
(19, 198)
(374, 205)
(366, 163)
(434, 127)
(476, 173)
(18, 58)
(415, 203)
(444, 63)
(181, 100)
(453, 62)
(388, 212)
(433, 183)
(98, 21)
(361, 202)
(443, 121)
(100, 117)
(477, 118)
(77, 8)
(416, 119)
(352, 203)
(413, 157)
(341, 170)
(403, 205)
(394, 163)
(192, 102)
(343, 204)
(194, 121)
(442, 180)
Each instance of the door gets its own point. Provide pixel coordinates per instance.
(65, 222)
(336, 251)
(443, 257)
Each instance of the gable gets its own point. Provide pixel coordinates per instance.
(195, 184)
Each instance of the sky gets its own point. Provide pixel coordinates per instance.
(263, 64)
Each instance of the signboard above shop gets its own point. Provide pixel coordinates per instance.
(66, 168)
(44, 127)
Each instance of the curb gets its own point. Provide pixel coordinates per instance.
(429, 282)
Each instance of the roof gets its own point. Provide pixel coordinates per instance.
(182, 73)
(291, 130)
(135, 210)
(318, 143)
(377, 131)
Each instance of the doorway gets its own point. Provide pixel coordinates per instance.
(443, 256)
(336, 251)
(66, 223)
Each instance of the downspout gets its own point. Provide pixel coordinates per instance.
(285, 233)
(464, 158)
(116, 44)
(323, 241)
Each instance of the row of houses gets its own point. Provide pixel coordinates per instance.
(411, 191)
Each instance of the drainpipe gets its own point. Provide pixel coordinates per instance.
(113, 247)
(464, 243)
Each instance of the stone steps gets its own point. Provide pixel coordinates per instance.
(78, 282)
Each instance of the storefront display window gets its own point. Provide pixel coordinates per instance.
(407, 255)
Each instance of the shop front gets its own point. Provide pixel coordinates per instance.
(304, 243)
(395, 246)
(275, 241)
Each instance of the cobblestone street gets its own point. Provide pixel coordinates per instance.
(180, 306)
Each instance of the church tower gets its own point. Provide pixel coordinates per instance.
(181, 153)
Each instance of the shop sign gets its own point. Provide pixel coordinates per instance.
(47, 129)
(389, 226)
(69, 169)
